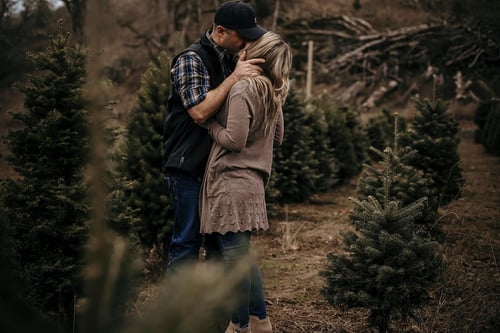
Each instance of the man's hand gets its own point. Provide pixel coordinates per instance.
(245, 68)
(216, 97)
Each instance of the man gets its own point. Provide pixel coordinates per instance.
(202, 76)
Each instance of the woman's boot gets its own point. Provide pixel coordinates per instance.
(260, 325)
(231, 328)
(235, 328)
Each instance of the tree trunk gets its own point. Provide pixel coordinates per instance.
(275, 15)
(76, 10)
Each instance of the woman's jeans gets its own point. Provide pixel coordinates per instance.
(250, 294)
(186, 241)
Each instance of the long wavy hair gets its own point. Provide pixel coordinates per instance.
(274, 82)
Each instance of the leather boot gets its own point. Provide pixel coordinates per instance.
(235, 328)
(231, 328)
(260, 325)
(243, 330)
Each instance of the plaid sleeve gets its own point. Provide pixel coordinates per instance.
(190, 79)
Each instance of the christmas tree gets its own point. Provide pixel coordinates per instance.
(296, 167)
(347, 140)
(328, 164)
(434, 135)
(409, 185)
(380, 131)
(388, 267)
(324, 144)
(45, 208)
(144, 193)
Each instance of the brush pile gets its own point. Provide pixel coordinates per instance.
(350, 53)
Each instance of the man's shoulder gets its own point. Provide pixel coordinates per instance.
(187, 56)
(195, 52)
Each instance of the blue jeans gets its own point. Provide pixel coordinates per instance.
(250, 291)
(186, 239)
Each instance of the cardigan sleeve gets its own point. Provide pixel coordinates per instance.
(280, 129)
(234, 136)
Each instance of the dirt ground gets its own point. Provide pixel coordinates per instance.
(294, 250)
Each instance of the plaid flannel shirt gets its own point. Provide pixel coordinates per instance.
(191, 79)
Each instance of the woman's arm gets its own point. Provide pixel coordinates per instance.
(234, 136)
(280, 128)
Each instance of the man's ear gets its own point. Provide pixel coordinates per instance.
(220, 29)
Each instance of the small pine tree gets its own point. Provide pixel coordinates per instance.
(145, 195)
(324, 145)
(348, 141)
(434, 135)
(295, 166)
(46, 206)
(327, 168)
(380, 131)
(388, 267)
(18, 315)
(409, 185)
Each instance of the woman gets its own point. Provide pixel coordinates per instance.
(232, 198)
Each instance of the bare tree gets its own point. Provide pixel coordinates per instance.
(168, 31)
(276, 15)
(356, 5)
(198, 9)
(76, 10)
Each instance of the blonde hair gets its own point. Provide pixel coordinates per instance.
(273, 85)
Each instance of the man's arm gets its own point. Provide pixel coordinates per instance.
(214, 99)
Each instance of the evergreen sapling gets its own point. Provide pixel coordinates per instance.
(408, 184)
(144, 193)
(388, 268)
(46, 206)
(433, 134)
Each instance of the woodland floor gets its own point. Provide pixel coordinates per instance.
(293, 252)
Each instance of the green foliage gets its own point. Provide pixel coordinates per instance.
(388, 267)
(55, 114)
(296, 165)
(143, 192)
(122, 218)
(347, 139)
(292, 176)
(324, 145)
(408, 185)
(434, 135)
(17, 314)
(328, 165)
(45, 208)
(49, 237)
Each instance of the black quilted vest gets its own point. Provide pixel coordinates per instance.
(186, 144)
